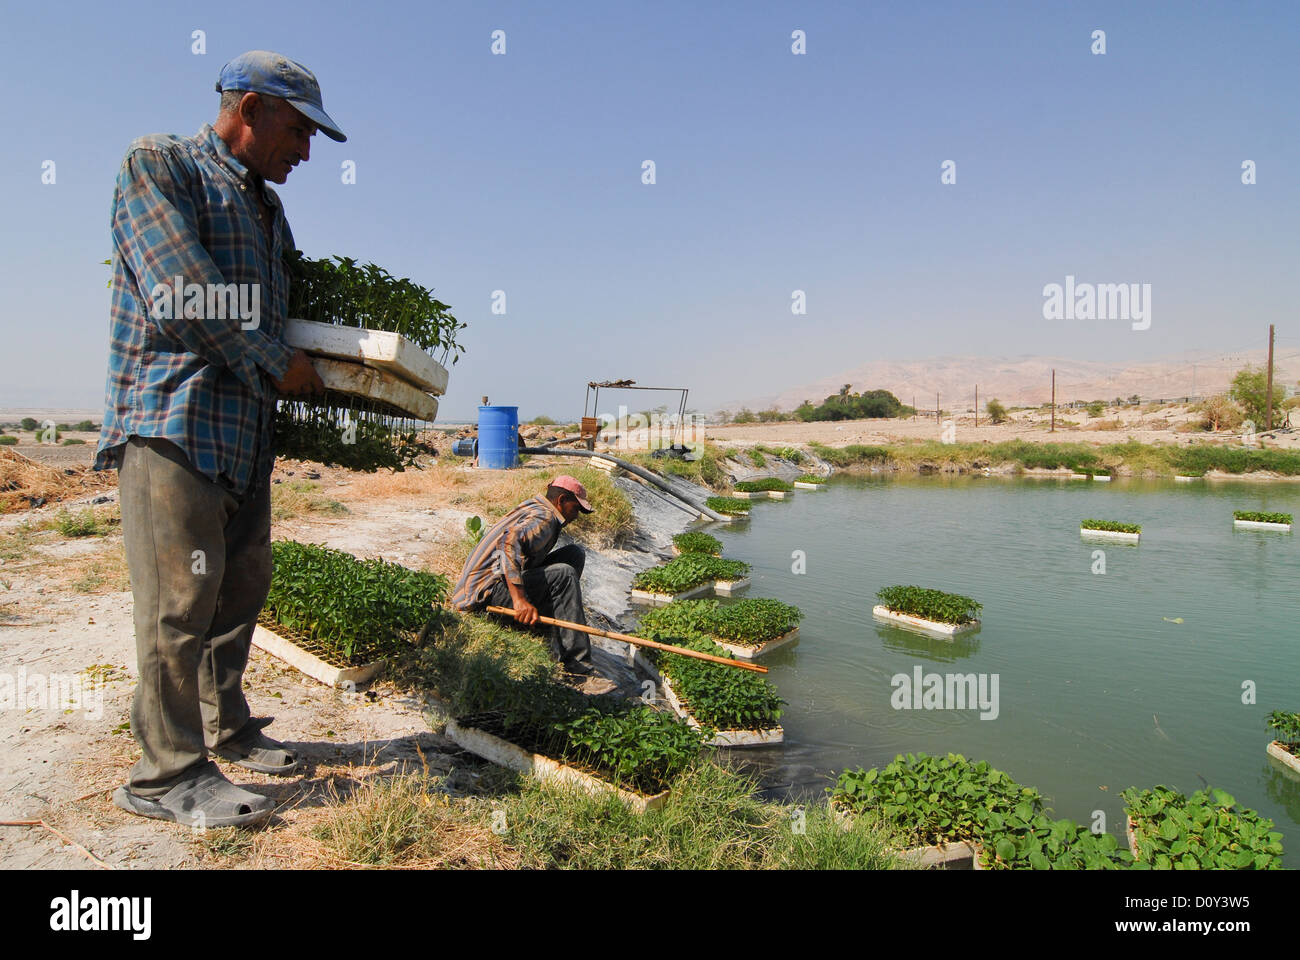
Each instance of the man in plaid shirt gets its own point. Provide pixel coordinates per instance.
(195, 366)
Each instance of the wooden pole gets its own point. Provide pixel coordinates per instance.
(1268, 417)
(637, 641)
(936, 407)
(1053, 430)
(977, 404)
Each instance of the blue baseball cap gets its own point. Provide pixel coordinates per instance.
(261, 71)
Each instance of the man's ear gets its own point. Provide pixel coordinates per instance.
(250, 108)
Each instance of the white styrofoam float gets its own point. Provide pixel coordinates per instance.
(729, 588)
(742, 652)
(1180, 478)
(723, 738)
(374, 348)
(663, 599)
(1276, 750)
(1116, 535)
(1260, 525)
(312, 665)
(347, 377)
(920, 623)
(506, 754)
(805, 485)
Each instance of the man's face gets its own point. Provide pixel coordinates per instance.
(568, 507)
(280, 139)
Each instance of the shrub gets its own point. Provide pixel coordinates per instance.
(1250, 390)
(697, 541)
(72, 441)
(930, 604)
(1260, 516)
(1096, 408)
(7, 441)
(1111, 525)
(84, 524)
(28, 423)
(729, 505)
(86, 426)
(1206, 831)
(997, 413)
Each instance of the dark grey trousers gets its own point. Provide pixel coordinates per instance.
(200, 563)
(554, 589)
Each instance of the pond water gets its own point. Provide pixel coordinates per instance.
(1134, 676)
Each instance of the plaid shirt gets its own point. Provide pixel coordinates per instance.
(518, 542)
(184, 207)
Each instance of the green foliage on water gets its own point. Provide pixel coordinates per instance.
(733, 506)
(1260, 516)
(750, 621)
(697, 541)
(930, 604)
(766, 483)
(1206, 831)
(687, 571)
(1286, 728)
(1114, 526)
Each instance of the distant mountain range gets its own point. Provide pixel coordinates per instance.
(1026, 380)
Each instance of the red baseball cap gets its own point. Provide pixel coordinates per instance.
(566, 482)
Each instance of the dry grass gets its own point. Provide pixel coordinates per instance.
(24, 482)
(299, 497)
(387, 484)
(612, 520)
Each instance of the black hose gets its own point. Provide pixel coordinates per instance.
(640, 471)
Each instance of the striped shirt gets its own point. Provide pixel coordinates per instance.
(518, 542)
(185, 208)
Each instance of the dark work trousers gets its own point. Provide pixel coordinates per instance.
(200, 563)
(554, 589)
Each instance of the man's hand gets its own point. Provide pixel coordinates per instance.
(525, 612)
(301, 378)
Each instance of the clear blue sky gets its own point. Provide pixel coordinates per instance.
(775, 172)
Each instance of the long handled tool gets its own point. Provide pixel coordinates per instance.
(638, 641)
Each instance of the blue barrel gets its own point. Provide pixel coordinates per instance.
(465, 447)
(498, 437)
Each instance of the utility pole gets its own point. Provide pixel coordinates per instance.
(977, 404)
(913, 406)
(936, 407)
(1268, 417)
(1053, 430)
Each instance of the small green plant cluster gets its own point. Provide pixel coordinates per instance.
(811, 478)
(756, 457)
(687, 571)
(1206, 831)
(474, 529)
(854, 453)
(930, 604)
(1260, 516)
(1286, 728)
(349, 605)
(640, 746)
(337, 290)
(721, 698)
(732, 506)
(1111, 525)
(1016, 842)
(937, 799)
(767, 483)
(750, 621)
(697, 541)
(84, 524)
(7, 441)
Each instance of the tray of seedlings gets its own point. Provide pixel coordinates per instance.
(733, 708)
(686, 576)
(1206, 831)
(1261, 520)
(746, 629)
(731, 508)
(336, 618)
(1286, 748)
(772, 488)
(927, 610)
(809, 481)
(601, 745)
(696, 541)
(1113, 530)
(380, 344)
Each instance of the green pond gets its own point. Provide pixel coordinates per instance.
(1131, 677)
